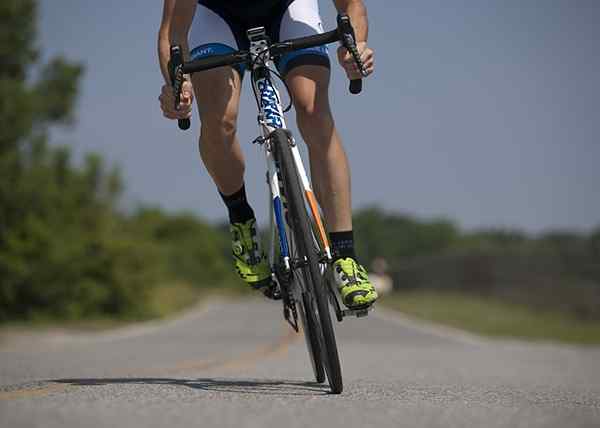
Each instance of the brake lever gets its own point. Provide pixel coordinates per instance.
(176, 75)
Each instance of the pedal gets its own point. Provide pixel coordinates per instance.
(358, 313)
(272, 291)
(291, 316)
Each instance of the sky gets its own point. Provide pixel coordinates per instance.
(483, 112)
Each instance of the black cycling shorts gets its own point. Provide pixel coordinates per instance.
(220, 26)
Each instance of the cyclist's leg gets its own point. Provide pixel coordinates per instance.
(329, 167)
(330, 175)
(307, 75)
(218, 95)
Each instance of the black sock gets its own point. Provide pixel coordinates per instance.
(342, 244)
(237, 205)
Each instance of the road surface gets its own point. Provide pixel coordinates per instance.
(235, 364)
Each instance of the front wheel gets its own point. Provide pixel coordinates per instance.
(310, 325)
(309, 252)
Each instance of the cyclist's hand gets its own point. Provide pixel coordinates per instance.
(347, 60)
(167, 101)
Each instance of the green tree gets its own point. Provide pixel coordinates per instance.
(399, 237)
(61, 253)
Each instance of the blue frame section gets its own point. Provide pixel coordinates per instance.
(279, 220)
(269, 102)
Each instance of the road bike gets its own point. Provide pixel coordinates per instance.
(299, 253)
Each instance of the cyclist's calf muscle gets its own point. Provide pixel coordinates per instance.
(330, 172)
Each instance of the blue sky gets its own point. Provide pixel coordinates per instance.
(485, 112)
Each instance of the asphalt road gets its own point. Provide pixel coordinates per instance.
(238, 365)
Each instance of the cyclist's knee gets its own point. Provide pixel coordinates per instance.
(314, 119)
(218, 94)
(219, 129)
(309, 85)
(312, 109)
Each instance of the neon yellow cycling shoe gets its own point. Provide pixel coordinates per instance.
(250, 262)
(353, 283)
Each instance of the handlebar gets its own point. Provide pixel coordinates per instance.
(234, 58)
(344, 33)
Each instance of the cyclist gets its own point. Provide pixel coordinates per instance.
(209, 27)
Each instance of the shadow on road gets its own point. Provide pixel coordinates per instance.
(238, 386)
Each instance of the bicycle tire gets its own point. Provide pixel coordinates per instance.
(302, 231)
(308, 315)
(310, 327)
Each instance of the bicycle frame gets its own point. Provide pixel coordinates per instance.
(270, 118)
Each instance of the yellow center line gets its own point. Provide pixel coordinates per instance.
(276, 349)
(32, 392)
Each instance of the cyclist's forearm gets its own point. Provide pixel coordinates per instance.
(163, 38)
(163, 56)
(175, 24)
(357, 12)
(183, 14)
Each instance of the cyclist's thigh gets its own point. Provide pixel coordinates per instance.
(217, 91)
(309, 86)
(302, 19)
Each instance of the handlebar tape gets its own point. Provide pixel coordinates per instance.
(349, 41)
(183, 124)
(355, 86)
(174, 68)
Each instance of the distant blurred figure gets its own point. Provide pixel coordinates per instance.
(379, 278)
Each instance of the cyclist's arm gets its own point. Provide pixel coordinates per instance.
(175, 24)
(183, 15)
(174, 27)
(163, 38)
(357, 12)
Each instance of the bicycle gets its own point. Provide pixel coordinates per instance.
(299, 252)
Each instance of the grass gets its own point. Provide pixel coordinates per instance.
(166, 300)
(170, 299)
(494, 317)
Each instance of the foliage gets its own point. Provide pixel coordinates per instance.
(193, 251)
(397, 236)
(558, 270)
(65, 250)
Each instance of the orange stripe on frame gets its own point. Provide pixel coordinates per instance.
(314, 207)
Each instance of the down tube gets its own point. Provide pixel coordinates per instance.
(278, 209)
(271, 118)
